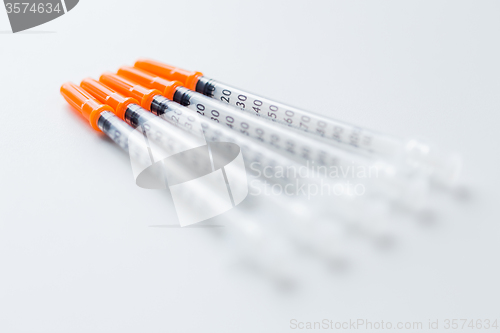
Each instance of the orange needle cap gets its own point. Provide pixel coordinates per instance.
(81, 100)
(187, 78)
(130, 89)
(149, 80)
(108, 96)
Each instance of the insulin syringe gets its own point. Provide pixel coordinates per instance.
(293, 143)
(109, 118)
(104, 118)
(442, 168)
(257, 156)
(171, 114)
(173, 139)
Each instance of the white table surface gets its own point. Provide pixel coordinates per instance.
(77, 250)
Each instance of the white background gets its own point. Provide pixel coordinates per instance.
(77, 250)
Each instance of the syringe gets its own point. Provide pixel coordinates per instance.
(253, 151)
(175, 114)
(100, 116)
(444, 169)
(256, 155)
(251, 234)
(293, 143)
